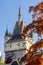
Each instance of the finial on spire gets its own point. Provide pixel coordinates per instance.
(19, 15)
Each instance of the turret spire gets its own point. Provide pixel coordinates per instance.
(6, 33)
(19, 15)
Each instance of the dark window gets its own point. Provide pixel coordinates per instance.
(18, 44)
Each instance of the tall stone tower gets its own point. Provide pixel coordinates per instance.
(15, 45)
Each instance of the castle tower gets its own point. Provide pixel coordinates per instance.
(16, 46)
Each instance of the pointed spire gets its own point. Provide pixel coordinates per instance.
(6, 33)
(19, 15)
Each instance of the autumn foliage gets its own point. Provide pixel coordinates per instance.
(35, 53)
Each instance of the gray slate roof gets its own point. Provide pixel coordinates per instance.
(15, 37)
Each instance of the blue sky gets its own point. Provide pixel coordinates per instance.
(9, 15)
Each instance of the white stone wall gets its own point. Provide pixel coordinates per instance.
(19, 48)
(19, 54)
(14, 46)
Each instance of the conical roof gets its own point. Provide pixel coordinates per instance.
(19, 26)
(18, 29)
(6, 33)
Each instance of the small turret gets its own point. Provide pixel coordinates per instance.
(6, 33)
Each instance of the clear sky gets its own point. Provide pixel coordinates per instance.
(9, 15)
